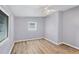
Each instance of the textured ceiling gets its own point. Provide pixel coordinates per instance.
(37, 10)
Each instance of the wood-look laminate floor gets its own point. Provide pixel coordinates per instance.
(41, 46)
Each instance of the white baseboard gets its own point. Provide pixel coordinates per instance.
(11, 47)
(62, 43)
(28, 39)
(52, 41)
(70, 45)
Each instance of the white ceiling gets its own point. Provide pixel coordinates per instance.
(61, 7)
(36, 10)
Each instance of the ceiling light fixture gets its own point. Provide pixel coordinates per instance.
(47, 11)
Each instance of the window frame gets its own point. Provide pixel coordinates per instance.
(29, 26)
(7, 17)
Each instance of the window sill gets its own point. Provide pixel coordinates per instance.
(1, 43)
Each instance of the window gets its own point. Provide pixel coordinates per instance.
(3, 26)
(32, 26)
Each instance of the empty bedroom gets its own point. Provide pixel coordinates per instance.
(39, 29)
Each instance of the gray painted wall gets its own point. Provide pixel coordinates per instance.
(6, 45)
(60, 26)
(51, 27)
(21, 29)
(63, 27)
(71, 26)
